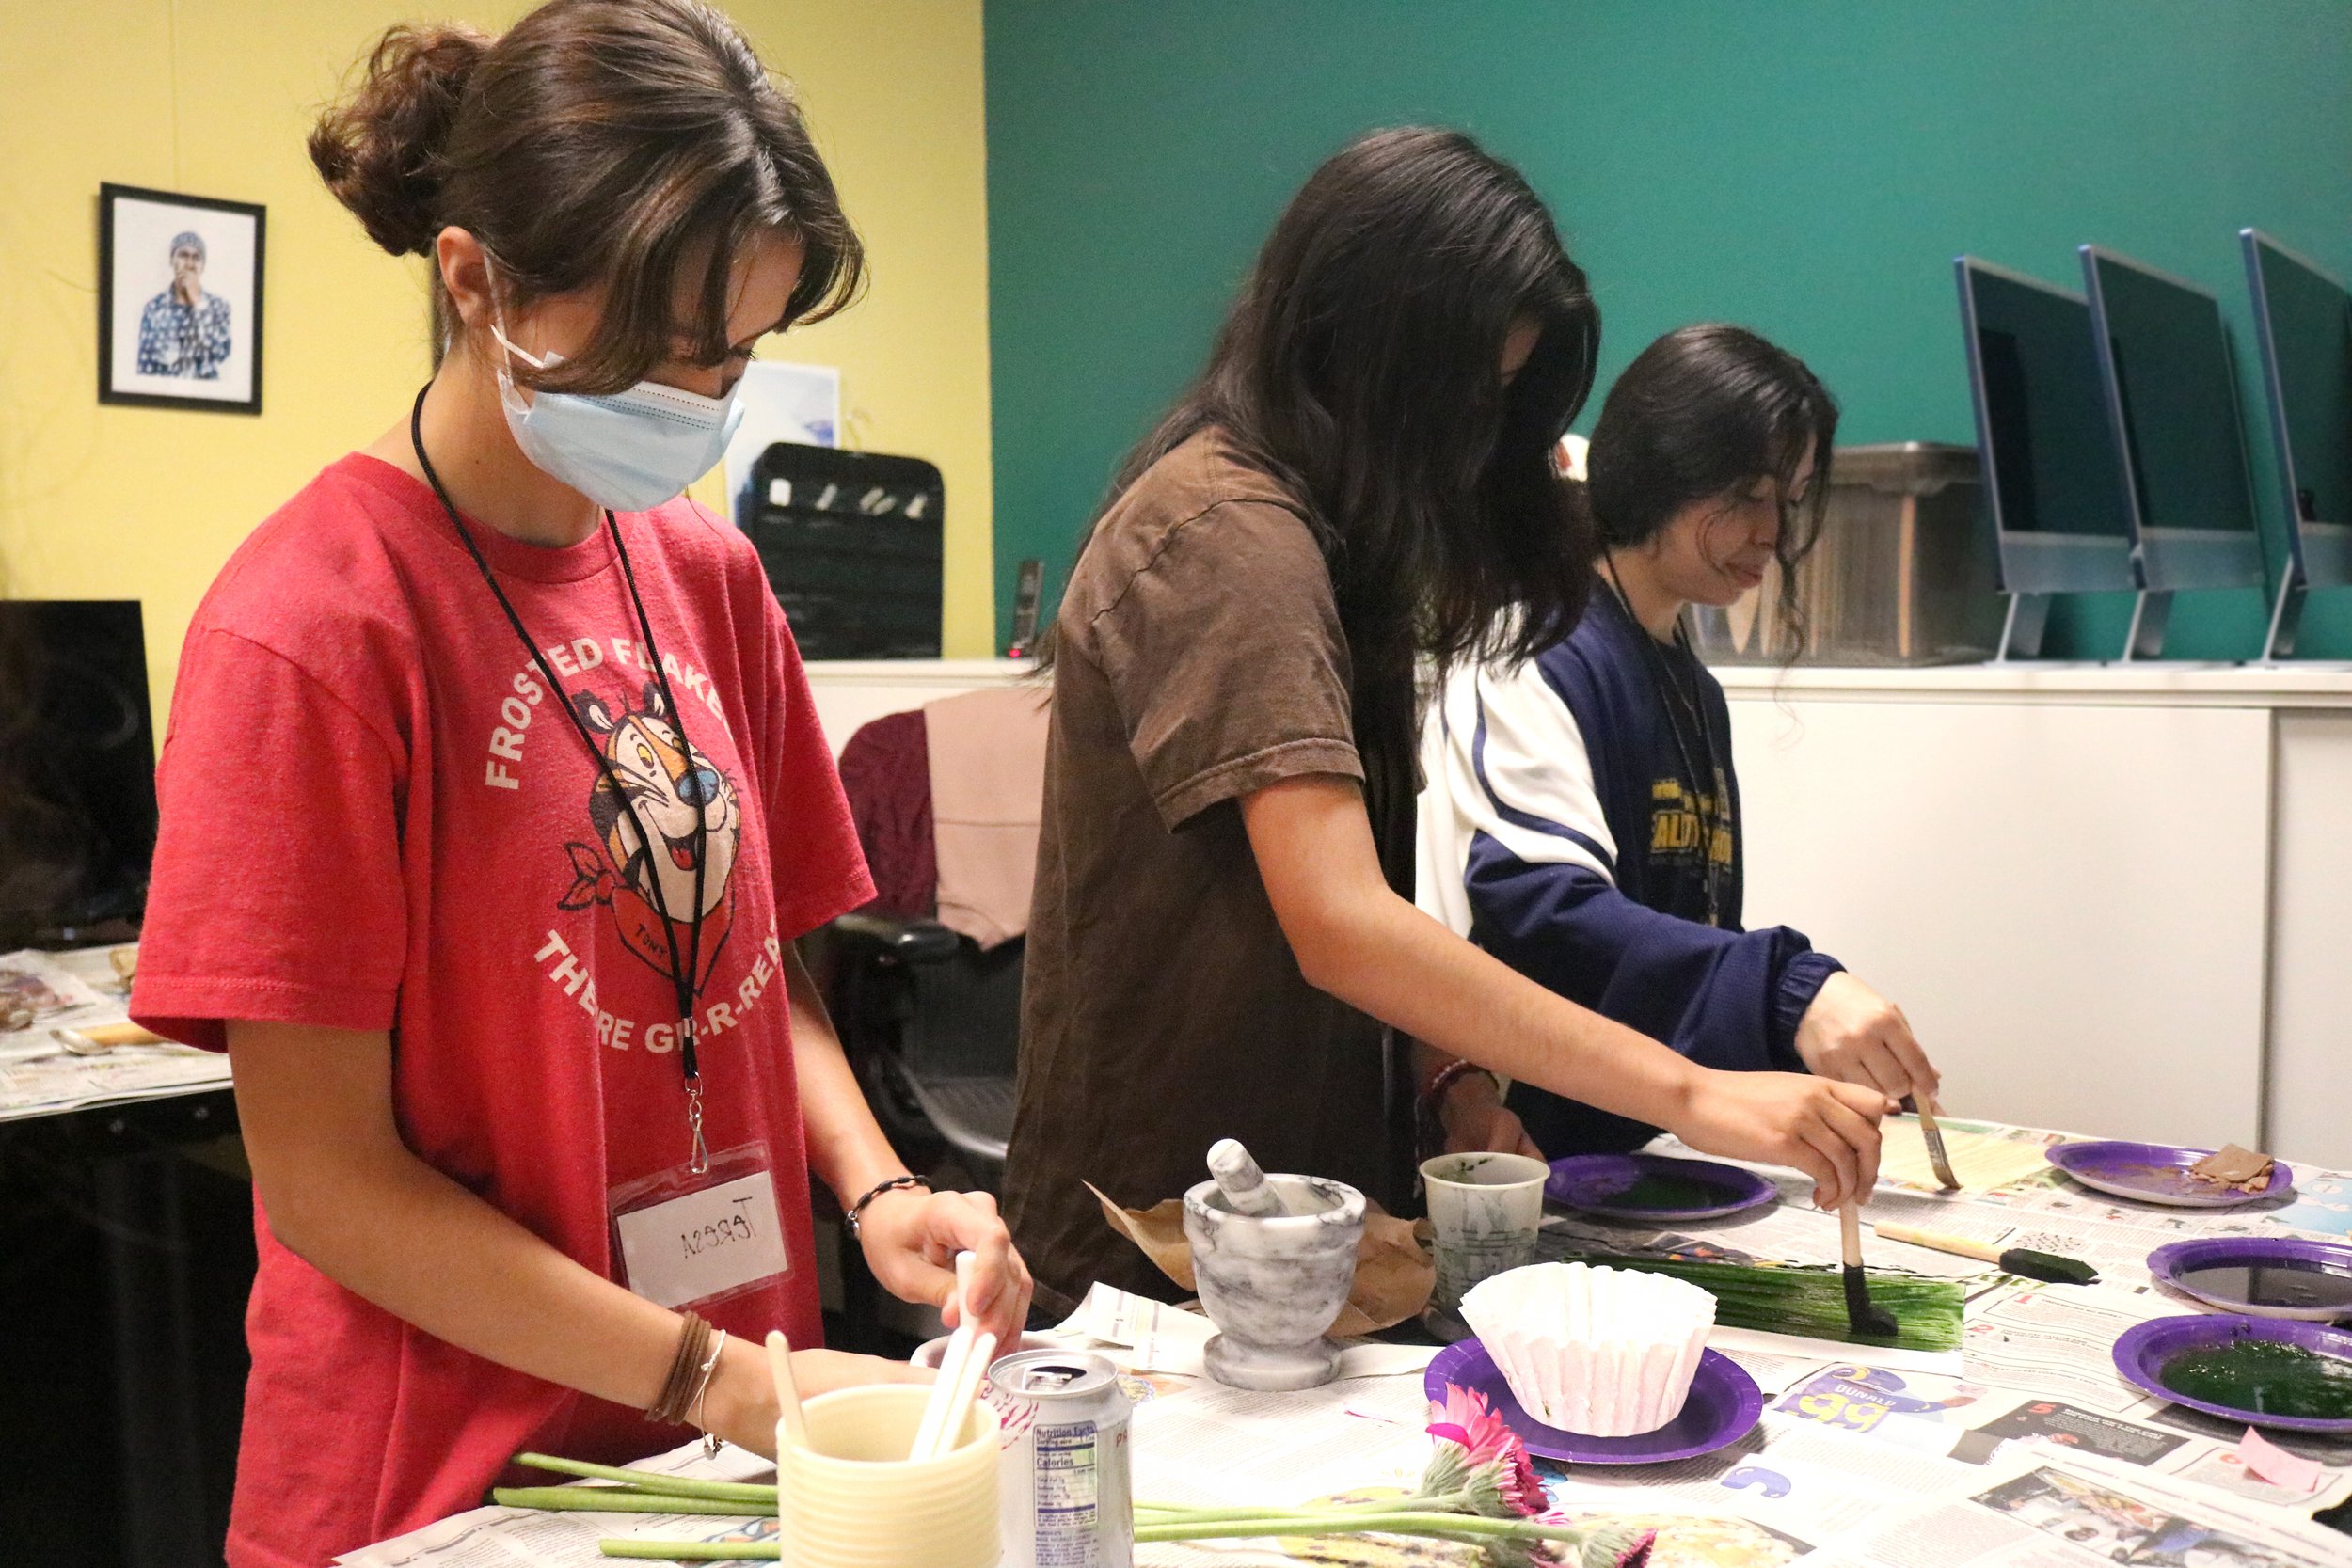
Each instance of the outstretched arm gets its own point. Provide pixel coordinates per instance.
(1355, 939)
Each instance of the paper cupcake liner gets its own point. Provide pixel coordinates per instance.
(1604, 1353)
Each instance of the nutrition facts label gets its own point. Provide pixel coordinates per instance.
(1068, 1492)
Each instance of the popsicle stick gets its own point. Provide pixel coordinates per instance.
(788, 1419)
(952, 1363)
(966, 1389)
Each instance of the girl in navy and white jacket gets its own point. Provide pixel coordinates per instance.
(1582, 816)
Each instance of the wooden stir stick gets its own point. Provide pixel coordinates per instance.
(790, 1427)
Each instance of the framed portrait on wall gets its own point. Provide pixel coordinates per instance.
(178, 301)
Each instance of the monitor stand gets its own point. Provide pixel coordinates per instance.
(2151, 611)
(2022, 628)
(2286, 618)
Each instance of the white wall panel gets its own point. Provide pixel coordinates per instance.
(2069, 901)
(2309, 1087)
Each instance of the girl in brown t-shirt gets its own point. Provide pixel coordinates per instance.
(1224, 942)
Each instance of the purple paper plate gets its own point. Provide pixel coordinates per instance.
(2144, 1349)
(2284, 1276)
(2157, 1173)
(1724, 1407)
(1613, 1186)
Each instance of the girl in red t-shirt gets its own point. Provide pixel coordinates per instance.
(493, 802)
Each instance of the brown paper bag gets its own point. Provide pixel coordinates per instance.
(1394, 1269)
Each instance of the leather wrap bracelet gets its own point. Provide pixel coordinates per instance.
(856, 1216)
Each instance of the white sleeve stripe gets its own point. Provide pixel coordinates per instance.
(1599, 850)
(1504, 756)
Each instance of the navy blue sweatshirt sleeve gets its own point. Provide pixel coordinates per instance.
(1521, 851)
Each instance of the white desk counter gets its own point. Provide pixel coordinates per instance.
(2111, 897)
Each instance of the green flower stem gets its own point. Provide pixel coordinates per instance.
(693, 1551)
(675, 1486)
(613, 1499)
(1450, 1524)
(1170, 1513)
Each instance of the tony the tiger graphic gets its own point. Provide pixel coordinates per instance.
(669, 788)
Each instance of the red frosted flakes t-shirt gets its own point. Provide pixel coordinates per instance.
(374, 816)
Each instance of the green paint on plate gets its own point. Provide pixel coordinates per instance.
(2265, 1377)
(1651, 1190)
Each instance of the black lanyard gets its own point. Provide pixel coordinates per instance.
(685, 967)
(1668, 690)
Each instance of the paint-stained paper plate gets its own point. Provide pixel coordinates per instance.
(2157, 1173)
(1655, 1187)
(2262, 1276)
(2144, 1349)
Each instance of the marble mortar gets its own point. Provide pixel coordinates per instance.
(1275, 1286)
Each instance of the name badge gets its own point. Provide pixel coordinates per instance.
(703, 1245)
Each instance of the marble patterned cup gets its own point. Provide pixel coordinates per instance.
(1484, 1212)
(1275, 1286)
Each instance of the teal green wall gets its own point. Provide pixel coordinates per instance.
(1807, 168)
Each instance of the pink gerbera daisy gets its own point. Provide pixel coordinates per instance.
(1489, 1444)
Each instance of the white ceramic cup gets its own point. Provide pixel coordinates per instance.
(1483, 1210)
(854, 1499)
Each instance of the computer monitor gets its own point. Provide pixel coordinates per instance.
(2051, 482)
(2303, 325)
(77, 767)
(2172, 396)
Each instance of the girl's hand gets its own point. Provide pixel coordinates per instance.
(912, 1239)
(1825, 1129)
(741, 1405)
(1853, 1033)
(1476, 1120)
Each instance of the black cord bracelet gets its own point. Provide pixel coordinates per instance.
(856, 1214)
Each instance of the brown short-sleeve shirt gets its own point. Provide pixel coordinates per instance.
(1200, 659)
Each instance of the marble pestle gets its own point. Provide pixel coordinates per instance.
(1243, 1183)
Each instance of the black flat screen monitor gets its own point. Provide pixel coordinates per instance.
(2303, 323)
(77, 767)
(2171, 397)
(2051, 478)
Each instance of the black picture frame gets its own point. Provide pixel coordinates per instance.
(127, 272)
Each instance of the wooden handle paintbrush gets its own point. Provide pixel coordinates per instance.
(1868, 1319)
(1925, 1104)
(2024, 1262)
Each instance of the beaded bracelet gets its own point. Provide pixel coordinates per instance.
(856, 1218)
(1429, 1106)
(1452, 1073)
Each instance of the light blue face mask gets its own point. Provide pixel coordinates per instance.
(630, 451)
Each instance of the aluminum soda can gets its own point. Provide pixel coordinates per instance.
(1064, 1492)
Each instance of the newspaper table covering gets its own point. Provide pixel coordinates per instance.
(2025, 1449)
(81, 991)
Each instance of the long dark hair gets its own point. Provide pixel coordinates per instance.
(1702, 412)
(1361, 367)
(596, 142)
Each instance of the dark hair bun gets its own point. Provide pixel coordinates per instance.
(379, 151)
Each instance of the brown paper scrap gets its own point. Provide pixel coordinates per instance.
(2232, 1166)
(1394, 1270)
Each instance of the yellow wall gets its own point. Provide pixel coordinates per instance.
(214, 98)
